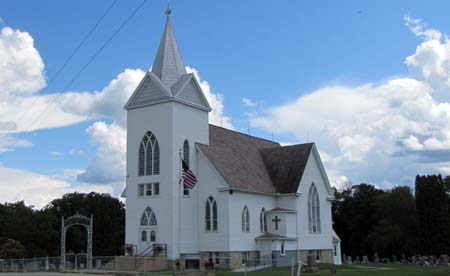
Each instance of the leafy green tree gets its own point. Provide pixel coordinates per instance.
(433, 214)
(11, 249)
(39, 230)
(354, 216)
(396, 229)
(108, 227)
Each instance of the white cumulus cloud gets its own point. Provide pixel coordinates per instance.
(21, 66)
(384, 133)
(108, 164)
(37, 189)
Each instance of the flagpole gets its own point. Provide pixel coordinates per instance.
(179, 206)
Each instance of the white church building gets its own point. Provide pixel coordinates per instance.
(254, 197)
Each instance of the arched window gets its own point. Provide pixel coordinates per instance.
(211, 214)
(263, 220)
(245, 220)
(313, 210)
(148, 218)
(186, 153)
(144, 235)
(149, 155)
(152, 235)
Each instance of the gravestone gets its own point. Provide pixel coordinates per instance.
(365, 260)
(404, 260)
(356, 260)
(376, 259)
(413, 259)
(394, 259)
(349, 260)
(311, 264)
(431, 260)
(443, 259)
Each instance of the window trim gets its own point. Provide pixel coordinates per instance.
(144, 234)
(152, 237)
(187, 160)
(314, 224)
(186, 192)
(245, 220)
(154, 187)
(149, 155)
(186, 153)
(211, 215)
(149, 216)
(263, 221)
(317, 253)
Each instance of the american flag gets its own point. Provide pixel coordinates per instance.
(188, 176)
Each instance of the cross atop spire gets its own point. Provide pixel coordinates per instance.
(168, 11)
(168, 64)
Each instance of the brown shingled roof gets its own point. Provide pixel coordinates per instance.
(286, 165)
(254, 164)
(236, 157)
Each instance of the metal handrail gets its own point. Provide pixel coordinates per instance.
(151, 249)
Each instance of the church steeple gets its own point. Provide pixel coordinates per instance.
(168, 64)
(168, 80)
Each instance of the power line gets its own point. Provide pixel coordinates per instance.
(89, 62)
(66, 62)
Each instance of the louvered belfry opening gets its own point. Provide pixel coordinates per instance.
(149, 155)
(186, 154)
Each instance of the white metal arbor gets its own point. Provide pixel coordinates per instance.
(87, 223)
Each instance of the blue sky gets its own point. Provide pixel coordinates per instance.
(323, 57)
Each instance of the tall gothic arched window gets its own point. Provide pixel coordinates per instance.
(313, 210)
(186, 153)
(149, 155)
(211, 214)
(148, 218)
(263, 220)
(245, 220)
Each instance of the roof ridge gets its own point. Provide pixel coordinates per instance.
(293, 145)
(243, 134)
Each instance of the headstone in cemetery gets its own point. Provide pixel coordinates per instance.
(431, 260)
(443, 259)
(413, 259)
(376, 259)
(365, 260)
(356, 260)
(394, 259)
(311, 264)
(404, 260)
(349, 260)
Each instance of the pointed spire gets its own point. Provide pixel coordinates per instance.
(168, 64)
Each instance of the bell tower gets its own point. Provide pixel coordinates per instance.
(166, 112)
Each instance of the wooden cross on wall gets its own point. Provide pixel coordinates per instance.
(276, 220)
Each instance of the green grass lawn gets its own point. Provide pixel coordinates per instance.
(353, 270)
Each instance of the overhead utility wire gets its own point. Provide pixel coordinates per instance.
(89, 62)
(70, 57)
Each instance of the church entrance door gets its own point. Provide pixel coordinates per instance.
(148, 237)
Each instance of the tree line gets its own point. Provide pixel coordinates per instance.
(397, 222)
(370, 222)
(26, 232)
